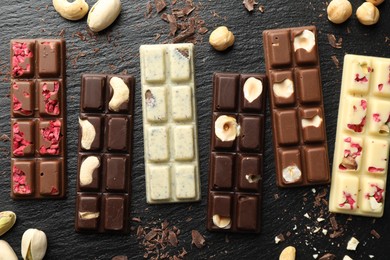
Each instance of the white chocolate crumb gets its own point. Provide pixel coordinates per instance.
(324, 231)
(352, 244)
(316, 229)
(320, 219)
(307, 216)
(277, 240)
(371, 256)
(295, 227)
(315, 256)
(347, 258)
(313, 190)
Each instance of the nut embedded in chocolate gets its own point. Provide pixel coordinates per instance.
(292, 174)
(226, 128)
(221, 221)
(349, 163)
(252, 89)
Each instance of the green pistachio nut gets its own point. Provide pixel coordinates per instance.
(7, 220)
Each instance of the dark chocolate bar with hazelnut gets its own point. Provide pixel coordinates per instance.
(236, 160)
(38, 159)
(105, 148)
(295, 89)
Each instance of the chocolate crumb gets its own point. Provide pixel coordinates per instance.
(337, 63)
(333, 222)
(375, 234)
(160, 5)
(327, 256)
(202, 30)
(197, 239)
(249, 4)
(186, 33)
(150, 235)
(157, 36)
(62, 33)
(4, 138)
(279, 237)
(261, 8)
(172, 24)
(288, 234)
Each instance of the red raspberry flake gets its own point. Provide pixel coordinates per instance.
(376, 117)
(348, 200)
(20, 53)
(19, 181)
(19, 143)
(51, 105)
(52, 134)
(360, 79)
(358, 128)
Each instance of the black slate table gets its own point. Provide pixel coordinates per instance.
(115, 50)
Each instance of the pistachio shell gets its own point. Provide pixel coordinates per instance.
(7, 220)
(6, 251)
(34, 244)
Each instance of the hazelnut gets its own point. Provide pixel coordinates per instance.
(339, 11)
(367, 14)
(375, 2)
(252, 178)
(221, 222)
(283, 89)
(305, 40)
(221, 38)
(384, 129)
(349, 163)
(252, 89)
(226, 128)
(291, 174)
(288, 253)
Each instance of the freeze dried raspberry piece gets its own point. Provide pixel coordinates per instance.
(50, 138)
(19, 141)
(21, 59)
(50, 97)
(20, 185)
(348, 200)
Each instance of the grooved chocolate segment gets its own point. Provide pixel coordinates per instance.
(237, 141)
(105, 148)
(298, 122)
(37, 119)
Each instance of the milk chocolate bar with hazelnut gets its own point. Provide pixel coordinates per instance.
(236, 159)
(170, 123)
(298, 123)
(361, 155)
(105, 149)
(38, 159)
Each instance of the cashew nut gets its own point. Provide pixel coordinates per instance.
(71, 11)
(88, 166)
(121, 93)
(103, 14)
(88, 133)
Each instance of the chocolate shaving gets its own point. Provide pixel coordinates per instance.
(119, 257)
(336, 234)
(333, 222)
(202, 30)
(160, 5)
(188, 9)
(136, 219)
(149, 9)
(249, 4)
(327, 256)
(185, 34)
(172, 238)
(375, 234)
(337, 63)
(197, 239)
(333, 42)
(172, 24)
(150, 235)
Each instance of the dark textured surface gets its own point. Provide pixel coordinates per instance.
(118, 52)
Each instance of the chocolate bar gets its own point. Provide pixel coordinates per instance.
(169, 119)
(105, 149)
(38, 159)
(298, 122)
(361, 153)
(236, 162)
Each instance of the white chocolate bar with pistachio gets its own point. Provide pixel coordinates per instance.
(169, 120)
(360, 163)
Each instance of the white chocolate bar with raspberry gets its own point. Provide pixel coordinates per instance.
(361, 154)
